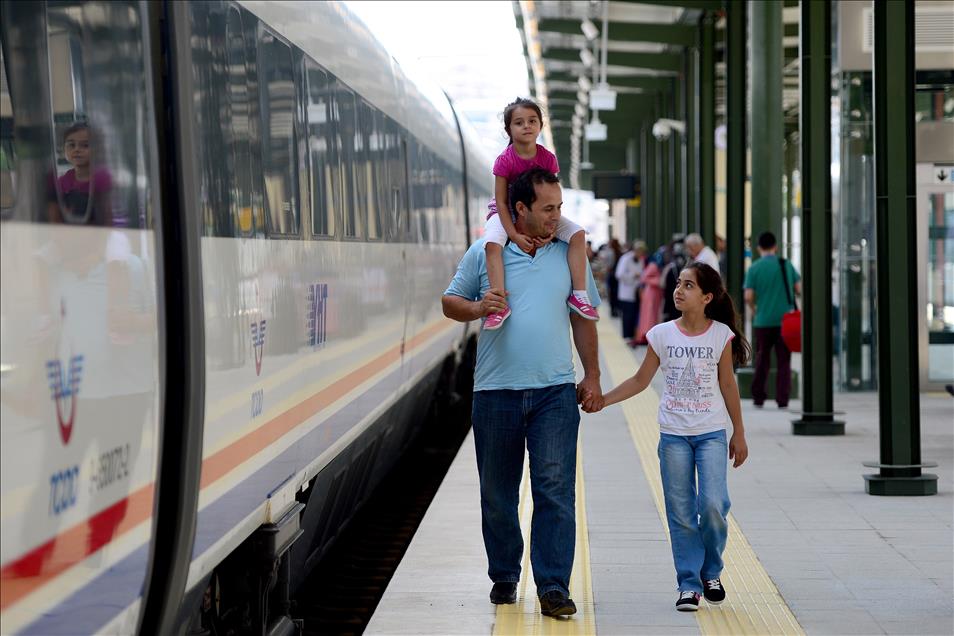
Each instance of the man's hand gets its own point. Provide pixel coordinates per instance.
(523, 241)
(738, 449)
(589, 394)
(493, 301)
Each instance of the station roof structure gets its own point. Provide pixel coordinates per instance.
(649, 45)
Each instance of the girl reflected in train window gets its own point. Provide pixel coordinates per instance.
(82, 193)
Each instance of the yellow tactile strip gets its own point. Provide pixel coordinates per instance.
(753, 604)
(524, 616)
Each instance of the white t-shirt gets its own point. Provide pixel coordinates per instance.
(707, 256)
(692, 402)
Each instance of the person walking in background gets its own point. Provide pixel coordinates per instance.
(675, 261)
(628, 270)
(651, 294)
(696, 353)
(612, 283)
(765, 292)
(699, 252)
(720, 250)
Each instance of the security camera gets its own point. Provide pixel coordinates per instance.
(663, 128)
(661, 131)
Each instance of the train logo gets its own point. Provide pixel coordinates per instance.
(258, 343)
(317, 314)
(64, 388)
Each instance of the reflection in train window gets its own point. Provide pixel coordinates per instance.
(99, 115)
(354, 210)
(276, 74)
(247, 217)
(8, 156)
(369, 123)
(325, 189)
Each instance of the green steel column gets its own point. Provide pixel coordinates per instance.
(691, 147)
(663, 175)
(896, 245)
(681, 221)
(735, 149)
(767, 120)
(815, 132)
(707, 107)
(643, 183)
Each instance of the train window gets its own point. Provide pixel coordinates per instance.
(247, 218)
(363, 175)
(279, 169)
(370, 127)
(85, 116)
(8, 155)
(325, 189)
(348, 141)
(397, 177)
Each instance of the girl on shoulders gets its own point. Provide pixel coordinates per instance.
(697, 353)
(523, 121)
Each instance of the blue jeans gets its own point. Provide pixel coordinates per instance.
(697, 522)
(545, 422)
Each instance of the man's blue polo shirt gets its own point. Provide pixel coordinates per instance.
(532, 349)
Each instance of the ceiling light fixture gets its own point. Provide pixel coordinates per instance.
(589, 29)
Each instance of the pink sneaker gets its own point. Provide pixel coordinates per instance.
(495, 321)
(586, 310)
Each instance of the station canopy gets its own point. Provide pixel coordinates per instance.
(649, 47)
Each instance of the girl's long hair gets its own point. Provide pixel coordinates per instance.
(722, 309)
(520, 102)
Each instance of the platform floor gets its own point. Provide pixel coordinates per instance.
(809, 551)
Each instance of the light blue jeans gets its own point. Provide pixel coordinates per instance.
(697, 521)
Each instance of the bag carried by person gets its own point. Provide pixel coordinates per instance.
(792, 320)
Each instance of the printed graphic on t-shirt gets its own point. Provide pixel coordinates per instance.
(690, 379)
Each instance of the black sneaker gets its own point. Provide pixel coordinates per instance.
(688, 601)
(503, 593)
(556, 603)
(714, 591)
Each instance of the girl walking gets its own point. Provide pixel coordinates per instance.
(696, 352)
(522, 122)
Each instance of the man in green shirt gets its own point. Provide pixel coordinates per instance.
(766, 294)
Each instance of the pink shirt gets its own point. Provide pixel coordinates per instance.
(510, 165)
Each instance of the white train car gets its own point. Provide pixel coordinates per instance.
(225, 230)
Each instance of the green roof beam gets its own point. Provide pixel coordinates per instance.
(660, 61)
(675, 34)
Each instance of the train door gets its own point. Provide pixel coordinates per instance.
(935, 231)
(80, 361)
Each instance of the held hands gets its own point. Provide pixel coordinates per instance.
(738, 449)
(590, 395)
(493, 301)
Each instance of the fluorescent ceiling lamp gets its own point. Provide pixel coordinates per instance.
(580, 109)
(584, 82)
(586, 165)
(596, 130)
(582, 97)
(587, 57)
(603, 98)
(589, 29)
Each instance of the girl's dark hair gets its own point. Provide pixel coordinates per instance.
(722, 309)
(75, 127)
(520, 102)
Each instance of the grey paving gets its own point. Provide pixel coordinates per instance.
(844, 561)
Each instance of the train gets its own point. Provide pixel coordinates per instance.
(224, 230)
